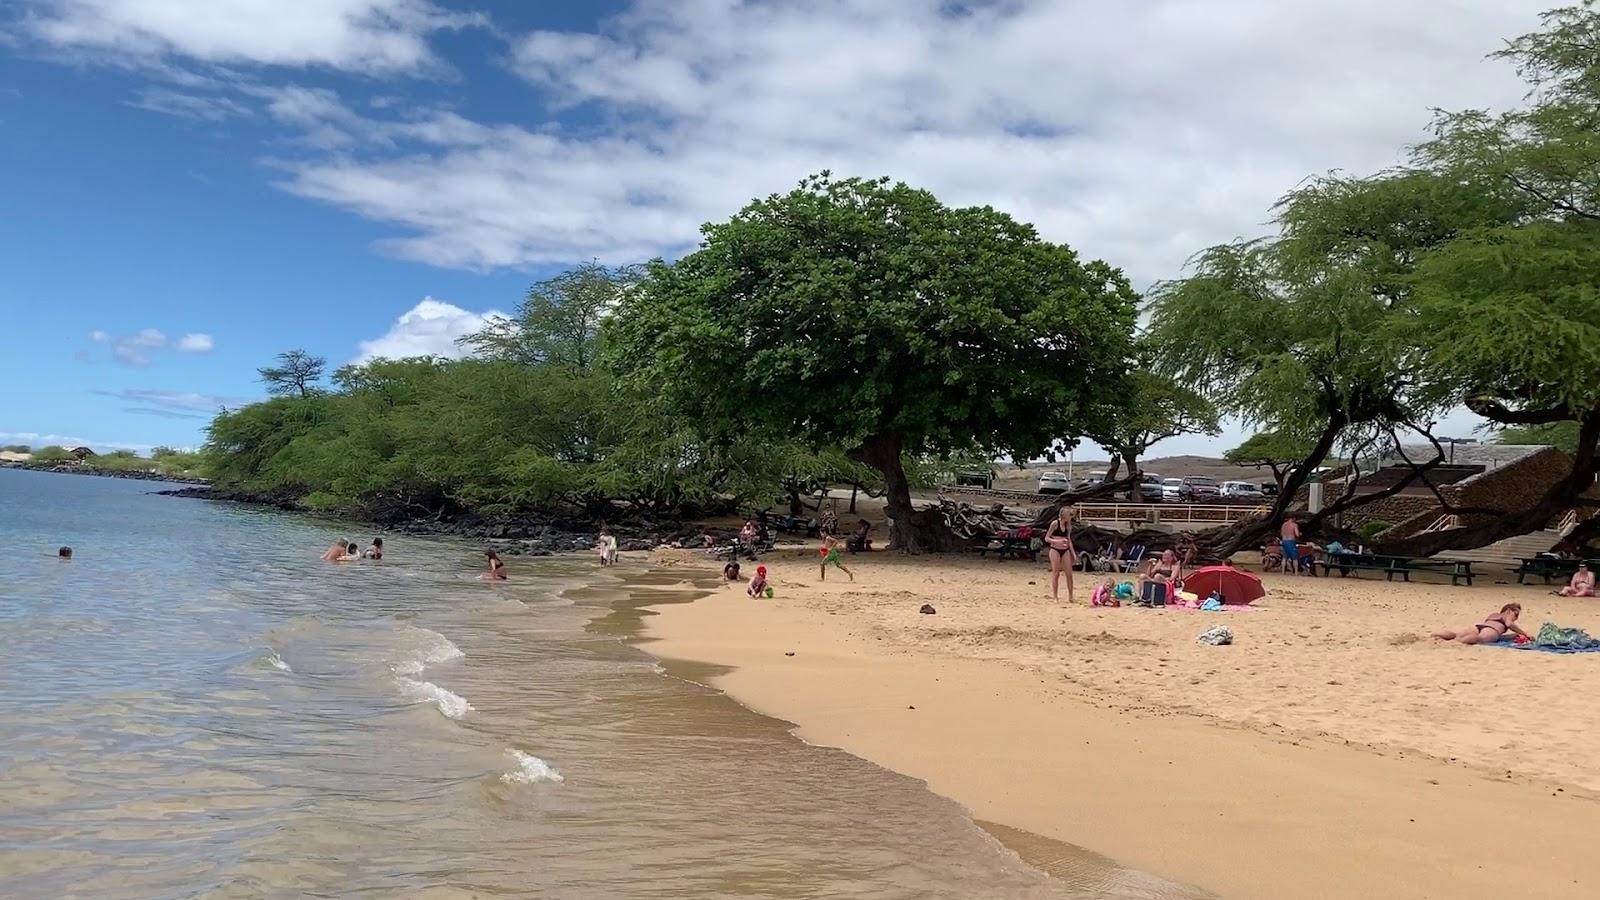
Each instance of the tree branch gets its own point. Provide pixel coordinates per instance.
(1495, 411)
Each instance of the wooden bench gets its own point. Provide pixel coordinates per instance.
(1548, 567)
(1010, 548)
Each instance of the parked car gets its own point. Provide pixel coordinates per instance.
(1269, 488)
(1172, 489)
(1242, 489)
(1054, 483)
(975, 478)
(1199, 487)
(1149, 488)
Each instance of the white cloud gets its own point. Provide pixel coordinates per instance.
(1138, 132)
(177, 401)
(199, 107)
(428, 329)
(194, 343)
(367, 36)
(37, 440)
(134, 349)
(99, 337)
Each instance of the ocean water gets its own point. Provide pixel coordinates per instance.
(197, 706)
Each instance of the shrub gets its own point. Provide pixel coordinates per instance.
(1370, 530)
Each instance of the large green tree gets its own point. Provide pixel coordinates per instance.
(1276, 450)
(868, 315)
(559, 320)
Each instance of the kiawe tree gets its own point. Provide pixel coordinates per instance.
(1157, 407)
(296, 375)
(1276, 451)
(558, 323)
(869, 316)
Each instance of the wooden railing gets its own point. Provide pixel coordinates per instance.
(1168, 513)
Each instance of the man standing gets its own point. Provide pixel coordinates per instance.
(1289, 540)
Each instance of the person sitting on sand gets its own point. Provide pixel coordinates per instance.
(1491, 629)
(730, 572)
(64, 553)
(375, 551)
(340, 551)
(497, 568)
(1105, 594)
(860, 542)
(1582, 583)
(1063, 553)
(758, 584)
(1289, 542)
(1271, 556)
(832, 557)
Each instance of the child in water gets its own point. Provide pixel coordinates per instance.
(758, 584)
(64, 553)
(375, 551)
(831, 557)
(497, 569)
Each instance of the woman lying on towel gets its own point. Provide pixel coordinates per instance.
(1491, 629)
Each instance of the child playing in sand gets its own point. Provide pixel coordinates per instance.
(730, 572)
(1493, 628)
(1582, 583)
(831, 557)
(758, 584)
(1105, 594)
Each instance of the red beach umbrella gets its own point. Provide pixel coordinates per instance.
(1232, 585)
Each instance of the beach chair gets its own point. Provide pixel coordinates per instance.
(1131, 561)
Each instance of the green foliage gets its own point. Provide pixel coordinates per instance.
(559, 320)
(1369, 530)
(1561, 435)
(1157, 407)
(52, 454)
(870, 317)
(1269, 448)
(296, 374)
(17, 448)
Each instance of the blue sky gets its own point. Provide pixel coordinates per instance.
(187, 189)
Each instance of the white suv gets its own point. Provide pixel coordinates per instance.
(1172, 489)
(1054, 483)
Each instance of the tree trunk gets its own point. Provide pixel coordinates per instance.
(1233, 538)
(910, 531)
(1135, 493)
(854, 489)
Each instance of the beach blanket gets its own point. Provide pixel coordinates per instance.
(1217, 636)
(1538, 649)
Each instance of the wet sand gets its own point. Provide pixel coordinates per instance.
(1328, 753)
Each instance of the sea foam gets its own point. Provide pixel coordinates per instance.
(426, 648)
(530, 770)
(277, 662)
(450, 704)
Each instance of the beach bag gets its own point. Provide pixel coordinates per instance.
(1553, 635)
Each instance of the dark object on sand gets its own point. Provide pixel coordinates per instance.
(927, 609)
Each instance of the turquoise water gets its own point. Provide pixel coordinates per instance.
(196, 705)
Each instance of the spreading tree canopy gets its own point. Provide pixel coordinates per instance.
(1156, 407)
(296, 374)
(868, 315)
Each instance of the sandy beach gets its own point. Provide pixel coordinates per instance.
(1329, 752)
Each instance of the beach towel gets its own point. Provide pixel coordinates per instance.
(1538, 649)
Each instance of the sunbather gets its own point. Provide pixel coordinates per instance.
(1582, 583)
(1493, 628)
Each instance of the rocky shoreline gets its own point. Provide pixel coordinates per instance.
(83, 469)
(529, 535)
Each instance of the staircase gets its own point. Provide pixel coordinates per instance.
(1511, 549)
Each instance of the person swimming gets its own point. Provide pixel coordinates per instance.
(497, 568)
(340, 551)
(375, 551)
(1493, 628)
(64, 553)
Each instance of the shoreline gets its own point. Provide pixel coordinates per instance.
(626, 609)
(1232, 806)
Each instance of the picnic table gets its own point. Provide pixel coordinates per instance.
(1404, 566)
(1548, 567)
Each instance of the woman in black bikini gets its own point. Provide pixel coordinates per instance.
(1491, 629)
(497, 569)
(1058, 537)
